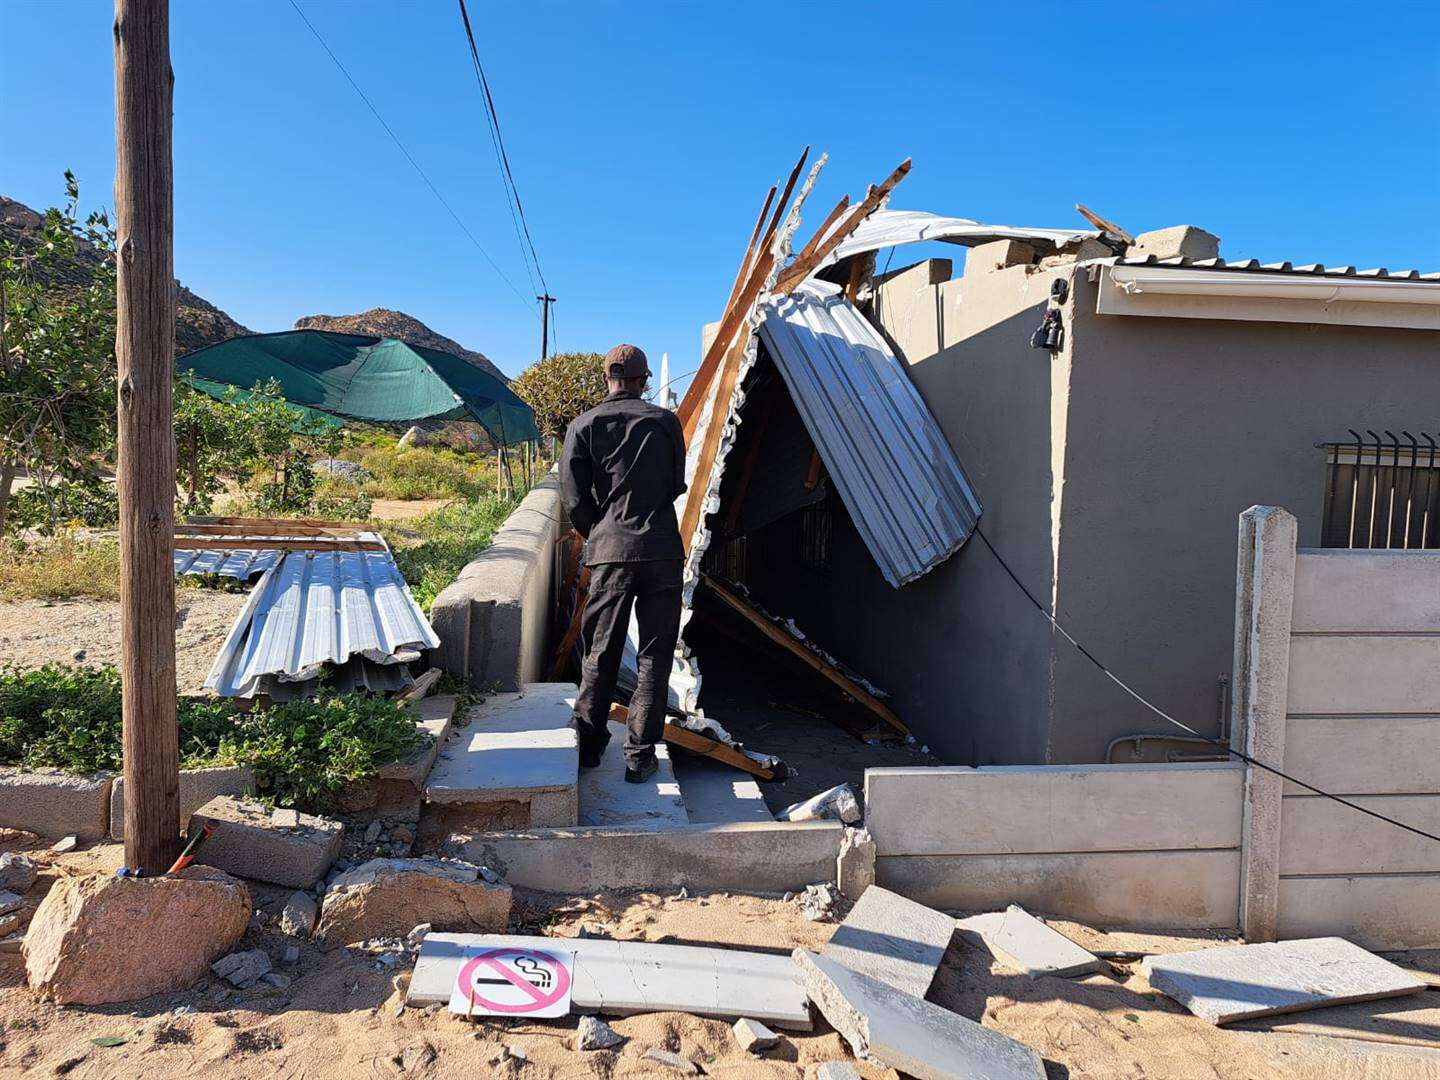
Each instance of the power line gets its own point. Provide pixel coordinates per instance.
(1170, 719)
(408, 156)
(498, 141)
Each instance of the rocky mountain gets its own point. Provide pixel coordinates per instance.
(197, 321)
(383, 322)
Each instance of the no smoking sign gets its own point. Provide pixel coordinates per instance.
(514, 982)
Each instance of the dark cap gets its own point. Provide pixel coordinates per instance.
(626, 362)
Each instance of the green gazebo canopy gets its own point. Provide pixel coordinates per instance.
(360, 377)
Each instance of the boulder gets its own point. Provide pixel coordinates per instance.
(101, 939)
(298, 916)
(387, 897)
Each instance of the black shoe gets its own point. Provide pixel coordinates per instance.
(638, 774)
(590, 759)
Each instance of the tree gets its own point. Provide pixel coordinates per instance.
(57, 354)
(561, 387)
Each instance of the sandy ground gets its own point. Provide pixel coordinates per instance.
(340, 1016)
(35, 632)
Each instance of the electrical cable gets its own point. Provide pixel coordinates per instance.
(1170, 719)
(507, 176)
(408, 157)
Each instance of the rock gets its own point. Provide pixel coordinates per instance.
(516, 1053)
(243, 970)
(817, 902)
(592, 1033)
(838, 803)
(674, 1061)
(12, 944)
(275, 979)
(9, 902)
(299, 915)
(69, 843)
(414, 1058)
(372, 833)
(17, 872)
(101, 939)
(385, 897)
(836, 1070)
(9, 924)
(341, 469)
(78, 654)
(754, 1036)
(402, 835)
(416, 937)
(292, 955)
(486, 874)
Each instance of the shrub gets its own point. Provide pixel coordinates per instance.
(416, 472)
(65, 568)
(303, 751)
(561, 387)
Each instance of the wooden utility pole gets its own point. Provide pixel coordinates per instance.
(145, 476)
(545, 301)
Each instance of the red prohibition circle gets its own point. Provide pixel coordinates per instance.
(491, 958)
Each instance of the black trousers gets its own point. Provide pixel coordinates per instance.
(653, 590)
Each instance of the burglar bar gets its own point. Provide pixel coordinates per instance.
(1382, 491)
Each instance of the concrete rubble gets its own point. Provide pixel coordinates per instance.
(1242, 982)
(817, 901)
(836, 1070)
(1028, 944)
(672, 1060)
(243, 970)
(892, 940)
(837, 803)
(592, 1033)
(249, 843)
(754, 1037)
(386, 898)
(855, 865)
(909, 1033)
(81, 949)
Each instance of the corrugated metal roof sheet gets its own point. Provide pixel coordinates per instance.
(1256, 266)
(904, 486)
(888, 228)
(317, 608)
(236, 564)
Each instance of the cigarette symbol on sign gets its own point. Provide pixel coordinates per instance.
(534, 972)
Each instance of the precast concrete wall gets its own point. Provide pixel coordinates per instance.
(494, 621)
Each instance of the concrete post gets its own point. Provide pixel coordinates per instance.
(1264, 594)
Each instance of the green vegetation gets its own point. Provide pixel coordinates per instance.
(303, 752)
(413, 472)
(448, 538)
(65, 568)
(561, 387)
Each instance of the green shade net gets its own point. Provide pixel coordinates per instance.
(363, 378)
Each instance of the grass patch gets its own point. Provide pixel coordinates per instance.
(63, 568)
(415, 472)
(449, 537)
(303, 752)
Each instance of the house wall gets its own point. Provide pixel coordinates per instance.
(1110, 473)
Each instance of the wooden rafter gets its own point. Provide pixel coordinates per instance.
(819, 235)
(272, 522)
(740, 274)
(697, 743)
(274, 543)
(281, 529)
(1103, 225)
(796, 648)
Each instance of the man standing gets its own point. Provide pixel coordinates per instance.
(621, 471)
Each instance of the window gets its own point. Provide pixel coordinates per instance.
(816, 524)
(1382, 492)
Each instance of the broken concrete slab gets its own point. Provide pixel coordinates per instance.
(100, 939)
(197, 787)
(248, 844)
(892, 940)
(855, 865)
(53, 803)
(837, 804)
(1242, 982)
(909, 1033)
(606, 799)
(754, 1037)
(1028, 944)
(620, 978)
(387, 897)
(513, 748)
(434, 717)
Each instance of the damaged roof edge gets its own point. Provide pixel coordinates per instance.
(891, 228)
(902, 483)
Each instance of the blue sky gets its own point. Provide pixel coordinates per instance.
(643, 136)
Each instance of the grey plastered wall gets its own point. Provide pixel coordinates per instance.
(1112, 845)
(1174, 427)
(494, 621)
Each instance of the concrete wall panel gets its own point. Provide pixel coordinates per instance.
(1321, 836)
(1144, 889)
(1057, 808)
(1375, 912)
(1364, 755)
(1391, 591)
(1381, 673)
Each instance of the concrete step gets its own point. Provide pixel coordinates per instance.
(512, 764)
(713, 792)
(606, 799)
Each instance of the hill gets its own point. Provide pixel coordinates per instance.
(384, 322)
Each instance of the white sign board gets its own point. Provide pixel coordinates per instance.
(513, 982)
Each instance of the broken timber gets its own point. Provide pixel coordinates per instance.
(697, 743)
(788, 642)
(270, 543)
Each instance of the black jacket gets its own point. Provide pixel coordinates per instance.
(621, 471)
